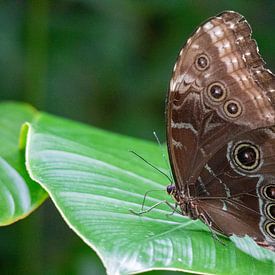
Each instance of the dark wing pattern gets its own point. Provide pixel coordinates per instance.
(240, 198)
(219, 90)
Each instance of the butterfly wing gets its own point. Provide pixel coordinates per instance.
(221, 95)
(236, 188)
(219, 89)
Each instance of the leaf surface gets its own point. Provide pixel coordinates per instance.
(94, 181)
(19, 195)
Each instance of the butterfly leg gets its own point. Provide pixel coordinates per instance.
(207, 220)
(154, 206)
(174, 210)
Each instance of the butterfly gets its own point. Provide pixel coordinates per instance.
(221, 131)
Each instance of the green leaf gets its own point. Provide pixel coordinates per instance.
(94, 181)
(19, 195)
(250, 247)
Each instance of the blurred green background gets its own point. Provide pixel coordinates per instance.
(106, 63)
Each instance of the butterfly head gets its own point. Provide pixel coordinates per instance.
(171, 189)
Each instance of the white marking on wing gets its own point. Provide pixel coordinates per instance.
(202, 185)
(227, 190)
(240, 38)
(180, 79)
(224, 207)
(270, 72)
(270, 133)
(208, 26)
(198, 30)
(216, 33)
(183, 125)
(211, 126)
(175, 82)
(229, 66)
(195, 46)
(231, 62)
(188, 78)
(242, 80)
(175, 66)
(223, 47)
(203, 152)
(270, 117)
(177, 144)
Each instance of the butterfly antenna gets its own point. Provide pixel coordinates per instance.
(163, 155)
(150, 164)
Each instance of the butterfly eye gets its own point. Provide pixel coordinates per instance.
(270, 211)
(170, 189)
(202, 62)
(270, 229)
(268, 192)
(216, 92)
(232, 108)
(247, 156)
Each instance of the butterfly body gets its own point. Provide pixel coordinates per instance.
(189, 205)
(220, 131)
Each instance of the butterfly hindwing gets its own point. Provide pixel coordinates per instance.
(236, 180)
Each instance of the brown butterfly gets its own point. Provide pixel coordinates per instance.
(221, 131)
